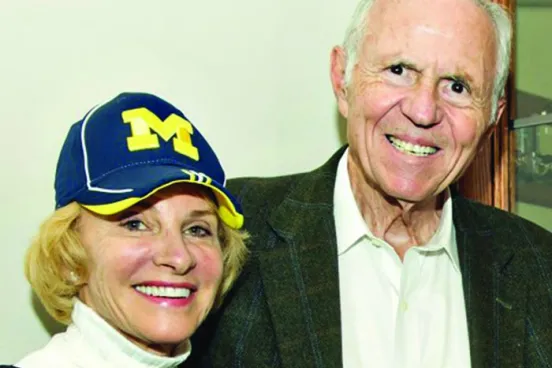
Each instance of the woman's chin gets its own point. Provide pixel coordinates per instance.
(162, 342)
(174, 338)
(170, 348)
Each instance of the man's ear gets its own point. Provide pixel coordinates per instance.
(493, 123)
(501, 104)
(337, 73)
(486, 135)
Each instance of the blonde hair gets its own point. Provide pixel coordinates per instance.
(56, 261)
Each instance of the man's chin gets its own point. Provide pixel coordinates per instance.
(411, 194)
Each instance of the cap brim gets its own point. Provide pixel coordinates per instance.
(125, 188)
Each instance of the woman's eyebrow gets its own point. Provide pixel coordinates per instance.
(203, 213)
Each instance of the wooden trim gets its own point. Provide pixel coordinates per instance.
(491, 177)
(475, 181)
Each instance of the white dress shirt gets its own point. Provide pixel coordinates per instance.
(90, 342)
(393, 314)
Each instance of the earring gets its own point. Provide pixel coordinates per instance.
(73, 277)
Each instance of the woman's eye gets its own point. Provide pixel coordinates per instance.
(198, 231)
(397, 69)
(134, 225)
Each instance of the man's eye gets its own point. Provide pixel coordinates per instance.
(198, 231)
(397, 69)
(457, 87)
(134, 225)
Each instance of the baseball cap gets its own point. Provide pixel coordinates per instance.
(131, 146)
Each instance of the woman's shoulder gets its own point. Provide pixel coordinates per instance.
(53, 354)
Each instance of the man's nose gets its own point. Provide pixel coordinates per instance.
(174, 252)
(421, 106)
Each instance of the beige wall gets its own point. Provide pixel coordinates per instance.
(534, 75)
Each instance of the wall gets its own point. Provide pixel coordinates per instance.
(534, 56)
(253, 75)
(534, 53)
(538, 214)
(533, 61)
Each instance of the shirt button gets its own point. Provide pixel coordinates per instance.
(404, 306)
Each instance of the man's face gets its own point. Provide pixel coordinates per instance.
(419, 100)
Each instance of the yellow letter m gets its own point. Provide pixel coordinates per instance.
(142, 122)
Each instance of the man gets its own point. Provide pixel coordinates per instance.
(371, 260)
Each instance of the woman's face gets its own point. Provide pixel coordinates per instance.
(154, 270)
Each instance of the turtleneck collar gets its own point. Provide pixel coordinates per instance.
(112, 347)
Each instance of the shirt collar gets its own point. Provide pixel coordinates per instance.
(349, 223)
(350, 226)
(445, 236)
(111, 346)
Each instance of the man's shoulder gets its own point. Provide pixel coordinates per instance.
(303, 186)
(267, 190)
(500, 220)
(243, 185)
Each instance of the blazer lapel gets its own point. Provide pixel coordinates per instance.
(300, 273)
(494, 297)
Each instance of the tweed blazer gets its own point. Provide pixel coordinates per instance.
(284, 310)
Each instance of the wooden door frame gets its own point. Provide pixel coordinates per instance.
(491, 177)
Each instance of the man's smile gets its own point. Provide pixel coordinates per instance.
(410, 148)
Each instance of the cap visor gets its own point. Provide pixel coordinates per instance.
(125, 188)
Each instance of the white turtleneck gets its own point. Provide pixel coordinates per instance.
(90, 342)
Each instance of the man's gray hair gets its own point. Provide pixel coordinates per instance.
(502, 24)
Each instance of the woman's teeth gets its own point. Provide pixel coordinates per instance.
(411, 149)
(163, 292)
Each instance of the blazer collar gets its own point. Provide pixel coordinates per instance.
(493, 292)
(300, 272)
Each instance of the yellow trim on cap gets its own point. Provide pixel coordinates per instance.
(226, 211)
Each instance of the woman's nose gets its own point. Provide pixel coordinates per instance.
(174, 252)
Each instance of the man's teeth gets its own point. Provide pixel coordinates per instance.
(411, 149)
(164, 292)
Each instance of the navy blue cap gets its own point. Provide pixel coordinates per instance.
(128, 148)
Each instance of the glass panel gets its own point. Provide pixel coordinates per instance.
(534, 173)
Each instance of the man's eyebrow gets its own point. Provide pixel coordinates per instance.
(410, 65)
(464, 78)
(396, 59)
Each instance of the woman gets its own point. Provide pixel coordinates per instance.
(144, 240)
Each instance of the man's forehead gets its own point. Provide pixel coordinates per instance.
(394, 28)
(424, 28)
(457, 12)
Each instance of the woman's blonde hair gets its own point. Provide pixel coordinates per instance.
(56, 261)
